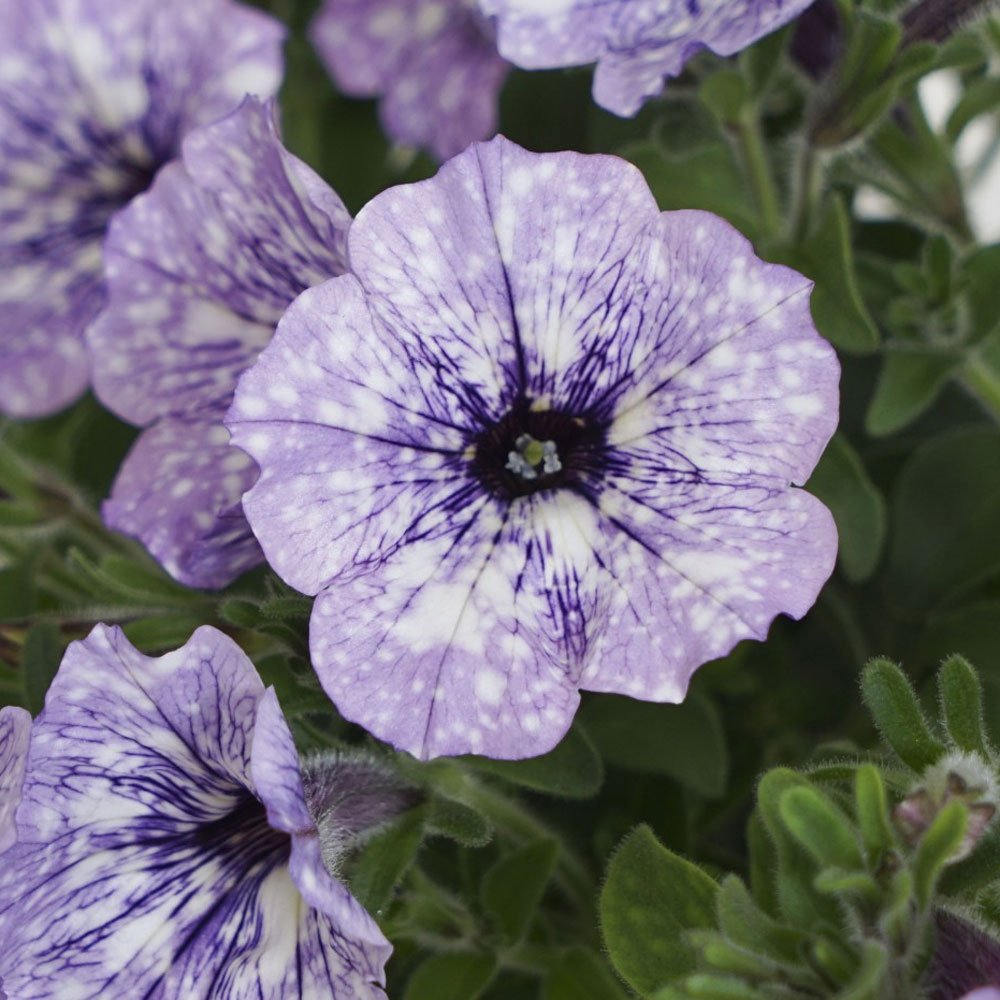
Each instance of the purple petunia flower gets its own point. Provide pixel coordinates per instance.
(540, 439)
(636, 44)
(15, 724)
(433, 63)
(165, 847)
(95, 96)
(199, 270)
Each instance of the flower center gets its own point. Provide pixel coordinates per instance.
(534, 448)
(533, 458)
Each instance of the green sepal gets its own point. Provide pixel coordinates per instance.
(703, 986)
(385, 858)
(855, 885)
(820, 827)
(962, 705)
(743, 922)
(798, 900)
(896, 712)
(458, 822)
(872, 808)
(868, 982)
(937, 847)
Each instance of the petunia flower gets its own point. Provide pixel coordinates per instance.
(95, 96)
(15, 725)
(540, 439)
(433, 63)
(199, 270)
(636, 44)
(165, 847)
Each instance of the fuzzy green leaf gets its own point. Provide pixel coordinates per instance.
(843, 484)
(896, 712)
(451, 976)
(581, 974)
(962, 705)
(573, 770)
(385, 858)
(459, 822)
(513, 887)
(685, 742)
(650, 897)
(820, 827)
(872, 807)
(937, 847)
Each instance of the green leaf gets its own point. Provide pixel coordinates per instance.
(908, 384)
(724, 94)
(161, 633)
(649, 898)
(827, 257)
(581, 975)
(747, 925)
(820, 827)
(573, 770)
(872, 806)
(796, 867)
(451, 976)
(843, 484)
(937, 847)
(962, 705)
(704, 986)
(513, 887)
(869, 981)
(459, 822)
(685, 742)
(708, 177)
(40, 656)
(385, 858)
(896, 712)
(946, 533)
(966, 878)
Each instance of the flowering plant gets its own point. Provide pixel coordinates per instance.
(456, 459)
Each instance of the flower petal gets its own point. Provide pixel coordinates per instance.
(201, 267)
(349, 936)
(179, 491)
(434, 63)
(96, 96)
(505, 270)
(15, 729)
(145, 864)
(466, 641)
(693, 568)
(637, 44)
(728, 376)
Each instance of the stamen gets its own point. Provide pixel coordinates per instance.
(532, 454)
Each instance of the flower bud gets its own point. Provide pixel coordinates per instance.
(965, 777)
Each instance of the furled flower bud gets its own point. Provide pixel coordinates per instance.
(959, 776)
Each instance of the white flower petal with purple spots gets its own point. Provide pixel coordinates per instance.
(95, 96)
(200, 269)
(164, 845)
(542, 438)
(636, 44)
(15, 728)
(433, 63)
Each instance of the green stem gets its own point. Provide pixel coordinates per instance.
(983, 382)
(759, 171)
(572, 873)
(807, 174)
